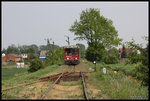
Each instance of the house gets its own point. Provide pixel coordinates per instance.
(24, 55)
(138, 52)
(126, 50)
(3, 54)
(43, 54)
(11, 57)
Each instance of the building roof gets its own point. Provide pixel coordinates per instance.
(126, 49)
(15, 55)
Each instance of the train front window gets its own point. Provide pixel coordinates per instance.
(70, 51)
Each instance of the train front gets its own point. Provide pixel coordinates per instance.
(72, 55)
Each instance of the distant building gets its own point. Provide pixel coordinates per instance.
(43, 54)
(138, 52)
(3, 54)
(11, 57)
(24, 55)
(126, 50)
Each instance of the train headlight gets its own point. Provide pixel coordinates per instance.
(76, 58)
(67, 58)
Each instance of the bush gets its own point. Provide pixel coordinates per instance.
(110, 59)
(35, 65)
(141, 73)
(93, 54)
(54, 57)
(135, 59)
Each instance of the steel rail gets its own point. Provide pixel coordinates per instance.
(41, 80)
(51, 86)
(84, 87)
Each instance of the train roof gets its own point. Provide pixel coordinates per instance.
(71, 46)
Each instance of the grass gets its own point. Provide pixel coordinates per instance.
(99, 85)
(27, 76)
(125, 68)
(116, 86)
(9, 73)
(9, 78)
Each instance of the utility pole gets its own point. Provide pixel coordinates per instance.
(48, 43)
(67, 40)
(53, 44)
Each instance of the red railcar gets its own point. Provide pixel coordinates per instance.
(71, 54)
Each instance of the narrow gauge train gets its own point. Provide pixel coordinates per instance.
(71, 55)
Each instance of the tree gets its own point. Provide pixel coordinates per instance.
(54, 57)
(123, 54)
(36, 65)
(13, 49)
(97, 30)
(113, 51)
(82, 50)
(82, 46)
(4, 51)
(142, 69)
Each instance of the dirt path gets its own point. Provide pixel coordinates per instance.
(77, 68)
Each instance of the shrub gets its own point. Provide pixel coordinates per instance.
(54, 57)
(93, 53)
(35, 65)
(141, 73)
(110, 59)
(135, 59)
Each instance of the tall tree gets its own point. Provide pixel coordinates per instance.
(82, 50)
(82, 46)
(13, 49)
(123, 54)
(97, 30)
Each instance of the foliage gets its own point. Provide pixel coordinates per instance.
(32, 56)
(82, 46)
(95, 55)
(141, 73)
(12, 49)
(82, 54)
(97, 30)
(35, 65)
(134, 58)
(110, 59)
(113, 51)
(48, 47)
(132, 45)
(54, 57)
(82, 50)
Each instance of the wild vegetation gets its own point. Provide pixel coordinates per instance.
(119, 85)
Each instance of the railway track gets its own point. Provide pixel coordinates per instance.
(42, 79)
(66, 76)
(84, 87)
(63, 75)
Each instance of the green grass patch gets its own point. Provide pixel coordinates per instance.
(9, 73)
(116, 86)
(9, 78)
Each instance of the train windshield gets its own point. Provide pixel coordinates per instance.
(70, 51)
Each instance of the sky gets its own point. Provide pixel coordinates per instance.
(27, 23)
